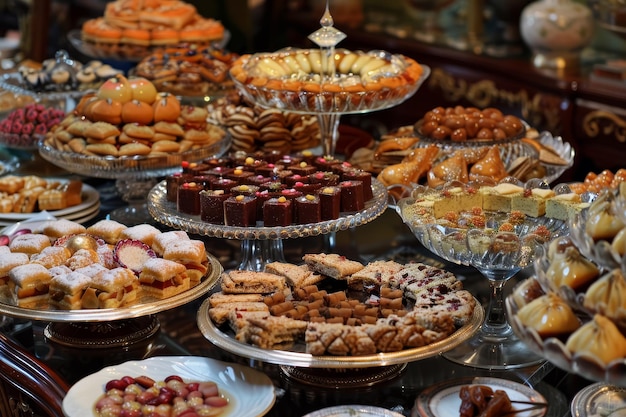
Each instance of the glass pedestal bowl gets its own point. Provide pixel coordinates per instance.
(498, 254)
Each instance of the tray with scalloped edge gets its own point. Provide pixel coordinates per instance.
(554, 350)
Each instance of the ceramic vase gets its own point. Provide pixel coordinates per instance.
(556, 31)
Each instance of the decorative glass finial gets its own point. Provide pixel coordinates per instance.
(327, 36)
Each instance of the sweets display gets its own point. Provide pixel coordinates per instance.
(23, 127)
(336, 306)
(67, 266)
(461, 124)
(248, 189)
(128, 117)
(130, 27)
(188, 70)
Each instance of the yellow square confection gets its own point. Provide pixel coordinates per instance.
(499, 197)
(456, 199)
(564, 206)
(533, 202)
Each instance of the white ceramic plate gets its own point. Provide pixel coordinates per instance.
(250, 392)
(353, 411)
(90, 197)
(442, 400)
(600, 400)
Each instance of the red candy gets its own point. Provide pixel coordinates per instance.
(20, 125)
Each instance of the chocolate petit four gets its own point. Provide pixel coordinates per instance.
(324, 178)
(363, 176)
(330, 202)
(302, 168)
(172, 182)
(239, 175)
(244, 189)
(212, 205)
(307, 209)
(277, 212)
(352, 196)
(188, 200)
(240, 211)
(222, 184)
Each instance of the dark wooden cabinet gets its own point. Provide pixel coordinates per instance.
(589, 114)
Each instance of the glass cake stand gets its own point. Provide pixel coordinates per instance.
(498, 256)
(335, 371)
(329, 103)
(135, 176)
(329, 106)
(261, 245)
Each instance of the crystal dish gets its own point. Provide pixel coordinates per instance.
(554, 350)
(511, 149)
(336, 102)
(601, 251)
(297, 357)
(165, 212)
(137, 167)
(147, 305)
(20, 141)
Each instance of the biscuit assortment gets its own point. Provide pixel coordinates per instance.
(336, 306)
(188, 70)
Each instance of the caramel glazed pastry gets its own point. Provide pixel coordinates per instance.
(129, 27)
(188, 70)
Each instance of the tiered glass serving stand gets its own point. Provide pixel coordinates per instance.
(498, 256)
(329, 105)
(135, 176)
(261, 245)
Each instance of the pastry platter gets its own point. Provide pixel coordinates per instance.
(297, 357)
(443, 399)
(88, 208)
(93, 51)
(250, 392)
(554, 350)
(147, 305)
